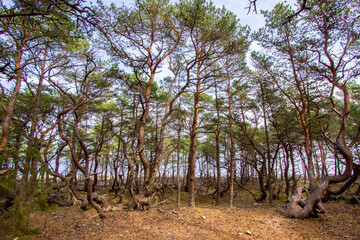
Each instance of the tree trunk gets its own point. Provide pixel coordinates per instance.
(217, 156)
(10, 107)
(94, 183)
(286, 170)
(142, 124)
(192, 149)
(178, 158)
(232, 148)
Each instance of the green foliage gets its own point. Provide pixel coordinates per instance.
(217, 27)
(42, 202)
(7, 182)
(276, 17)
(18, 207)
(19, 216)
(4, 188)
(158, 92)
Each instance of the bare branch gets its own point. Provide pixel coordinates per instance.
(252, 4)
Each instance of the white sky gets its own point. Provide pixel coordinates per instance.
(254, 21)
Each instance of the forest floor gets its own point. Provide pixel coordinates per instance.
(245, 220)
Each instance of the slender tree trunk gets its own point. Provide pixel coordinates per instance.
(94, 183)
(10, 107)
(115, 164)
(142, 124)
(74, 157)
(324, 171)
(286, 158)
(217, 134)
(268, 156)
(232, 148)
(154, 169)
(192, 149)
(164, 177)
(293, 166)
(178, 157)
(33, 147)
(107, 163)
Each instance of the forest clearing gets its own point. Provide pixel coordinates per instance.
(246, 220)
(159, 119)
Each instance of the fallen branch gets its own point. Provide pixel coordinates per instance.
(158, 203)
(2, 172)
(253, 195)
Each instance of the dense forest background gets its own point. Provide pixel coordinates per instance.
(164, 96)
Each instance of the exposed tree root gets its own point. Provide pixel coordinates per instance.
(59, 200)
(142, 203)
(58, 196)
(301, 208)
(139, 202)
(294, 205)
(101, 199)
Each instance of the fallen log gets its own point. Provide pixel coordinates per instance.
(59, 200)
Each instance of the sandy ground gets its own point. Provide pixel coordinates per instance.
(245, 220)
(250, 221)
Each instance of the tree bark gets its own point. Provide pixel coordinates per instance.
(192, 149)
(178, 195)
(217, 156)
(232, 147)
